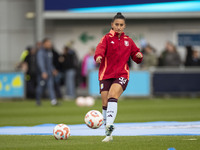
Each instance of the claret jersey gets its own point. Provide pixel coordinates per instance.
(115, 54)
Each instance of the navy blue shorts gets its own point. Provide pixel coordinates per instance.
(106, 84)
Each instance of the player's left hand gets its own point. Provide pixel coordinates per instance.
(139, 55)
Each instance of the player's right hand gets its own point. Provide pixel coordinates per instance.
(44, 75)
(98, 59)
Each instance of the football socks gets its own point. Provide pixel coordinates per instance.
(104, 110)
(111, 111)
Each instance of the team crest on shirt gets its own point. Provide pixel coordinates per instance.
(126, 43)
(112, 42)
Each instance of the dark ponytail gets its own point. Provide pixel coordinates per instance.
(118, 16)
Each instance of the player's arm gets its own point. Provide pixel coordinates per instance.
(136, 55)
(100, 50)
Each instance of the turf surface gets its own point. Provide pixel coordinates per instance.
(25, 113)
(94, 143)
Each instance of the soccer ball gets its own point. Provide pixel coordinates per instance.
(89, 101)
(61, 132)
(94, 119)
(80, 101)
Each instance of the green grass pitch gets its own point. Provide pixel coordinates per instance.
(25, 113)
(94, 143)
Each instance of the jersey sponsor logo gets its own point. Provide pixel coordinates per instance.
(126, 43)
(122, 80)
(112, 42)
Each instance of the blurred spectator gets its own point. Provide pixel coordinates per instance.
(88, 64)
(46, 71)
(169, 56)
(22, 66)
(25, 53)
(143, 43)
(192, 57)
(38, 45)
(150, 58)
(57, 78)
(31, 77)
(69, 62)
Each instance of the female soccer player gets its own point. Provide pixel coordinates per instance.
(113, 53)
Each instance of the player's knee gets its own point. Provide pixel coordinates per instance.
(112, 95)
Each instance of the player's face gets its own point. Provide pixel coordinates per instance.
(118, 25)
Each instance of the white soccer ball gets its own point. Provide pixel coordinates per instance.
(61, 132)
(94, 119)
(80, 101)
(89, 101)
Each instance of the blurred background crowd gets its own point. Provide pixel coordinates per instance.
(72, 72)
(169, 39)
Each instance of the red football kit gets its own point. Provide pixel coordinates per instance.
(115, 53)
